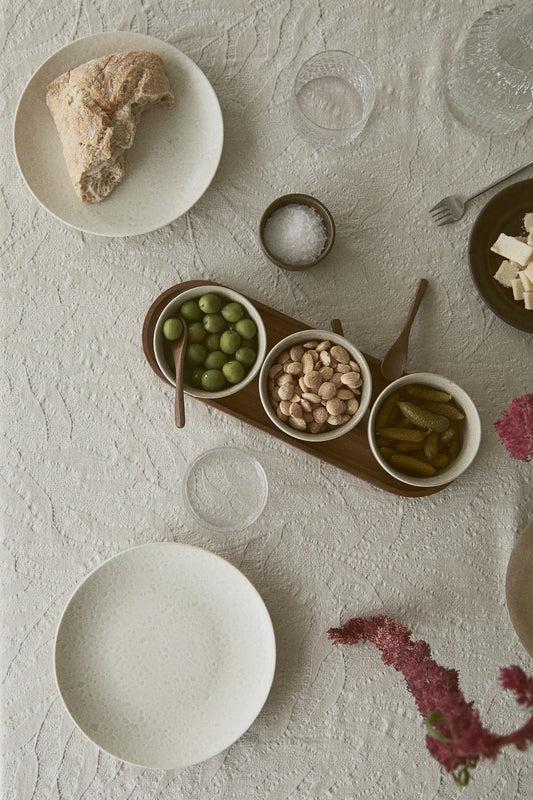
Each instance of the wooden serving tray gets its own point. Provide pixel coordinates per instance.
(350, 452)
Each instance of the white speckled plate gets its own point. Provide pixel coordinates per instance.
(164, 655)
(173, 159)
(519, 588)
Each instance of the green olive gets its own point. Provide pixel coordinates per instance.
(172, 329)
(195, 354)
(196, 376)
(246, 356)
(215, 360)
(190, 310)
(212, 342)
(213, 380)
(233, 371)
(246, 328)
(210, 303)
(232, 312)
(230, 341)
(214, 323)
(195, 333)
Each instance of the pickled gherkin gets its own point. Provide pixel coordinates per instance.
(445, 409)
(427, 393)
(419, 430)
(424, 419)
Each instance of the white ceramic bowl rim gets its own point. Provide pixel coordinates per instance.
(193, 293)
(471, 438)
(335, 338)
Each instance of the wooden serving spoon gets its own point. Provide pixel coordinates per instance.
(177, 348)
(393, 364)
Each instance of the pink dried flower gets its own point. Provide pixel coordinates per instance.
(515, 429)
(456, 737)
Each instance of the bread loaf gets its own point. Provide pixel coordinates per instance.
(96, 108)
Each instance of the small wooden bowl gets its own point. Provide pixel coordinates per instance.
(305, 200)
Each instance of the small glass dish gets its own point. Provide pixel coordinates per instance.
(225, 489)
(333, 96)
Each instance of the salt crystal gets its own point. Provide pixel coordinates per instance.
(295, 234)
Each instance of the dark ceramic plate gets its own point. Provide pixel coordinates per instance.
(504, 213)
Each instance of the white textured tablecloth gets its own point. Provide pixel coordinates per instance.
(92, 462)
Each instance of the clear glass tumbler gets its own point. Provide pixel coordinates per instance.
(333, 96)
(490, 78)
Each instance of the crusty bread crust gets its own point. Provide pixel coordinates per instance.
(96, 108)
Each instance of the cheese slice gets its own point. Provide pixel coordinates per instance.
(526, 282)
(529, 271)
(518, 289)
(528, 222)
(506, 273)
(528, 300)
(513, 249)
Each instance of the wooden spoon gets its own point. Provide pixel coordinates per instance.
(393, 364)
(178, 352)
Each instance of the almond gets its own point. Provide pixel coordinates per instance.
(297, 352)
(344, 394)
(281, 379)
(352, 406)
(307, 363)
(298, 423)
(293, 367)
(312, 380)
(285, 392)
(320, 415)
(327, 390)
(340, 353)
(335, 407)
(351, 379)
(284, 407)
(295, 410)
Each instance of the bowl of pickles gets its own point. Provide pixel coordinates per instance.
(226, 341)
(424, 430)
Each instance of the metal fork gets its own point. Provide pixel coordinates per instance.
(452, 208)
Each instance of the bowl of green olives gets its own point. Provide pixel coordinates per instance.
(226, 341)
(424, 430)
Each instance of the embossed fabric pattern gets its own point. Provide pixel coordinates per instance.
(92, 463)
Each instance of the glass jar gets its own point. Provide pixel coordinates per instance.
(490, 78)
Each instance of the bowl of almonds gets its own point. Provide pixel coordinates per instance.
(315, 385)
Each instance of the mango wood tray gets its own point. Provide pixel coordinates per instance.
(350, 452)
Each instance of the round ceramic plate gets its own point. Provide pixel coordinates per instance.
(164, 655)
(519, 588)
(173, 159)
(504, 213)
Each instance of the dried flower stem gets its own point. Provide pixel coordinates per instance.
(456, 737)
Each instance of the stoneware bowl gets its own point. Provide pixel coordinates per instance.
(471, 429)
(299, 338)
(193, 294)
(298, 199)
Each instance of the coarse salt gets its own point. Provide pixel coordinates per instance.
(295, 234)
